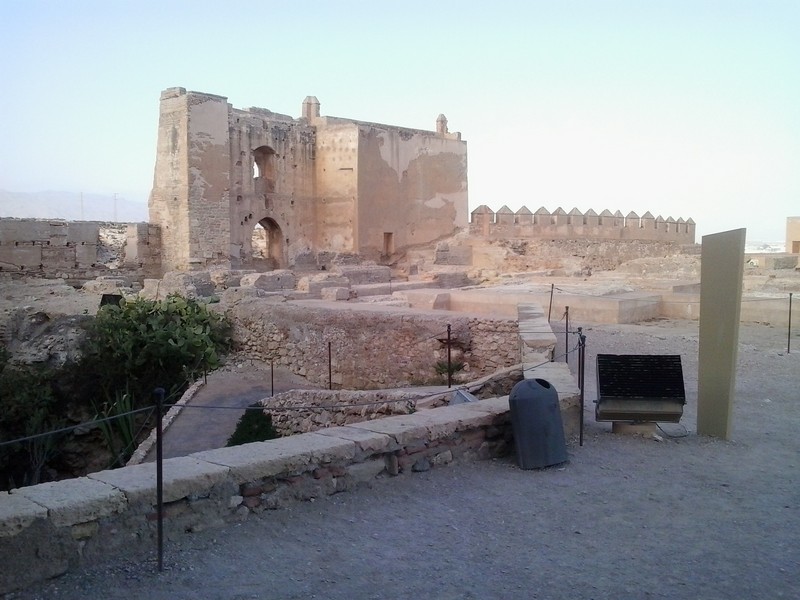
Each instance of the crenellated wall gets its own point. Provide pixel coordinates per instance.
(506, 224)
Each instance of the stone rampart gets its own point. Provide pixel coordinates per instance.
(370, 347)
(50, 528)
(506, 224)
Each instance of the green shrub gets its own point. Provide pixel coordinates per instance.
(442, 367)
(144, 344)
(254, 426)
(139, 345)
(28, 406)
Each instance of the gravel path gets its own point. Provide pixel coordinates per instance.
(628, 517)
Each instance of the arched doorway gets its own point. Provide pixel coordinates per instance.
(267, 244)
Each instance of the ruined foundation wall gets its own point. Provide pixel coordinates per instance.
(76, 250)
(371, 349)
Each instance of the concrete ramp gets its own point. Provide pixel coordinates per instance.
(536, 337)
(538, 345)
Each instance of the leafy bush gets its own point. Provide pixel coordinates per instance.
(143, 344)
(131, 349)
(139, 345)
(28, 406)
(443, 368)
(253, 426)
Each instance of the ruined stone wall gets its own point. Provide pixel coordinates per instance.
(505, 224)
(169, 200)
(143, 248)
(272, 183)
(370, 348)
(32, 245)
(71, 250)
(793, 235)
(412, 189)
(317, 185)
(337, 187)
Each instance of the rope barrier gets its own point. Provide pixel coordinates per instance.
(74, 427)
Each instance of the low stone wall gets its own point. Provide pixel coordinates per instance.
(371, 347)
(50, 528)
(304, 411)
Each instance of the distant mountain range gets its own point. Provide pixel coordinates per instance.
(68, 205)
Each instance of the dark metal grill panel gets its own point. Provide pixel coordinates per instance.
(639, 387)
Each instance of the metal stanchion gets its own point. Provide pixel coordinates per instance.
(550, 310)
(449, 365)
(581, 375)
(330, 368)
(159, 394)
(271, 376)
(789, 338)
(566, 335)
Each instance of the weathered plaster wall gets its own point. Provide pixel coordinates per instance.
(337, 169)
(169, 199)
(318, 185)
(209, 180)
(793, 235)
(272, 166)
(370, 347)
(412, 185)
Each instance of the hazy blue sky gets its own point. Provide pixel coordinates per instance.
(682, 108)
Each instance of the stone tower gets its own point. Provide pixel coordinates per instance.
(257, 189)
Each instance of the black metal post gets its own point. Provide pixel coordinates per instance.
(159, 393)
(330, 368)
(789, 338)
(271, 376)
(449, 365)
(550, 310)
(566, 335)
(581, 376)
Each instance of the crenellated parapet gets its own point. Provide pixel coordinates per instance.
(523, 223)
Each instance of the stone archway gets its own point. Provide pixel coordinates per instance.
(267, 244)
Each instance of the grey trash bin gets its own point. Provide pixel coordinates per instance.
(536, 422)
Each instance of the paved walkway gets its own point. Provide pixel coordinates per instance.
(209, 419)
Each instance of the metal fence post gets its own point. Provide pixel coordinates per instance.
(566, 335)
(449, 365)
(581, 376)
(159, 393)
(789, 337)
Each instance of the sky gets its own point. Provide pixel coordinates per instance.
(688, 109)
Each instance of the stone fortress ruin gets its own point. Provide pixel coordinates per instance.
(345, 252)
(314, 187)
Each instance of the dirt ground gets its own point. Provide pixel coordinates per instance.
(627, 517)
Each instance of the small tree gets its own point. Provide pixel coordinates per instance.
(139, 345)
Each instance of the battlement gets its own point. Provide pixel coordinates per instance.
(559, 224)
